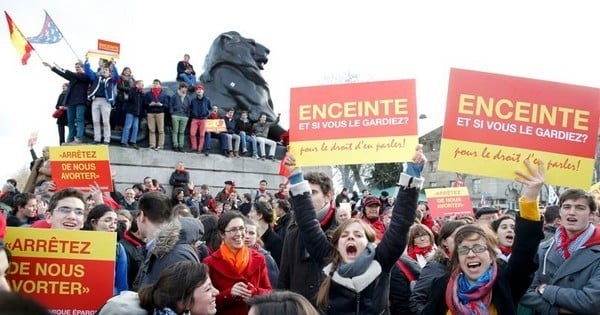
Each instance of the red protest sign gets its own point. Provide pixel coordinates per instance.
(453, 201)
(371, 122)
(494, 122)
(69, 272)
(81, 166)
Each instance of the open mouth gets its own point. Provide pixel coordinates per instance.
(351, 251)
(473, 266)
(572, 220)
(70, 225)
(510, 238)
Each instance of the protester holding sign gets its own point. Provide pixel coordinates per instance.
(352, 254)
(103, 97)
(477, 282)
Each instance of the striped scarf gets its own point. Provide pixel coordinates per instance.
(465, 298)
(566, 246)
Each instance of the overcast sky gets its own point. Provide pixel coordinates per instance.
(311, 42)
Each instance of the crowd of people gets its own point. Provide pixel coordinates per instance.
(301, 249)
(119, 101)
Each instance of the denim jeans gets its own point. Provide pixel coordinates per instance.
(76, 119)
(131, 125)
(246, 138)
(190, 79)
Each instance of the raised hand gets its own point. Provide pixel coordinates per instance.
(533, 179)
(290, 162)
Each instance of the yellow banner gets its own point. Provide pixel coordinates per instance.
(215, 125)
(79, 153)
(102, 54)
(62, 244)
(475, 158)
(354, 150)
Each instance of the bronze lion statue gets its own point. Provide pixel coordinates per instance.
(232, 78)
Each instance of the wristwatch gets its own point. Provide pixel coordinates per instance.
(541, 289)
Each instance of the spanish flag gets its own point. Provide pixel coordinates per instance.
(21, 44)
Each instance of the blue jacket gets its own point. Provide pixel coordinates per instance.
(230, 125)
(162, 98)
(179, 107)
(200, 107)
(109, 83)
(121, 270)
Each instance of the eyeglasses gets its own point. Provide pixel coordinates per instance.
(477, 249)
(67, 210)
(240, 229)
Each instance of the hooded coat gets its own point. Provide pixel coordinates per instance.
(174, 243)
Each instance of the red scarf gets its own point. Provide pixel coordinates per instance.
(505, 250)
(565, 241)
(327, 219)
(413, 251)
(128, 236)
(155, 92)
(378, 226)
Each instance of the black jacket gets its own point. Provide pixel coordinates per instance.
(298, 272)
(513, 278)
(283, 224)
(273, 244)
(400, 285)
(180, 179)
(78, 86)
(135, 102)
(436, 268)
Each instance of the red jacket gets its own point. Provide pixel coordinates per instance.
(223, 278)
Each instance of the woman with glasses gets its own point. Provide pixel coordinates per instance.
(237, 271)
(103, 218)
(477, 283)
(421, 243)
(436, 267)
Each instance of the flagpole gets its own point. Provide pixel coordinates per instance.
(63, 36)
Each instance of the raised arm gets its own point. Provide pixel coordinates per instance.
(403, 215)
(528, 230)
(317, 244)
